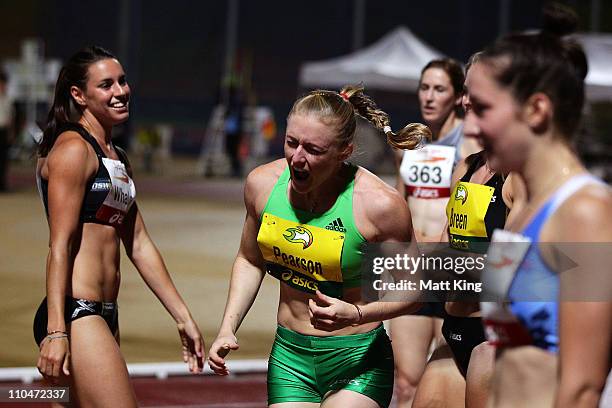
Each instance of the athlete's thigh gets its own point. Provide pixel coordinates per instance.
(442, 385)
(98, 369)
(66, 381)
(437, 331)
(348, 398)
(524, 376)
(294, 405)
(479, 375)
(411, 338)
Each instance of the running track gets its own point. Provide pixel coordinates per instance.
(203, 391)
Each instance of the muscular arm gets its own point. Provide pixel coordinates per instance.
(514, 194)
(383, 220)
(69, 168)
(148, 261)
(247, 271)
(389, 221)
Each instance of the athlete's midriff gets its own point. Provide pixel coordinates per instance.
(428, 218)
(95, 273)
(293, 313)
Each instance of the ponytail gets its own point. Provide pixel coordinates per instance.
(408, 138)
(73, 73)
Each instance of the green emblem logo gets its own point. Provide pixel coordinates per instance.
(299, 235)
(461, 194)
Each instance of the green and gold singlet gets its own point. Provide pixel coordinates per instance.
(309, 251)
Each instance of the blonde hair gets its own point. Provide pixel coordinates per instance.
(339, 109)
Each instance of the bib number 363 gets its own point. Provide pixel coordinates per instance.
(427, 172)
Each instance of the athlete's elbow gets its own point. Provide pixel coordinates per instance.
(580, 394)
(137, 252)
(59, 250)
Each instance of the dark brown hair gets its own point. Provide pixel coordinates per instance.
(544, 62)
(74, 72)
(455, 73)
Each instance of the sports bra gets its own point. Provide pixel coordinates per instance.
(309, 251)
(532, 314)
(109, 194)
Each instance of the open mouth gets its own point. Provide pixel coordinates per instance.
(300, 175)
(119, 106)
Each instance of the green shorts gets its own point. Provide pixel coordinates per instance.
(305, 368)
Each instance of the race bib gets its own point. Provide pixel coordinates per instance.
(466, 211)
(121, 195)
(427, 172)
(305, 257)
(506, 253)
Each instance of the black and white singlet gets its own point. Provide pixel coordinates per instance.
(109, 193)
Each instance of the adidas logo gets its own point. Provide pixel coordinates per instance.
(336, 225)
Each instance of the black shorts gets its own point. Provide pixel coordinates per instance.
(75, 309)
(462, 334)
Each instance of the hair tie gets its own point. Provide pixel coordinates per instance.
(344, 96)
(387, 129)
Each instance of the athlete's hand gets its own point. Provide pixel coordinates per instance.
(220, 348)
(329, 314)
(54, 358)
(192, 344)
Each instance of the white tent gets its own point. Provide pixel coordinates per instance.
(598, 48)
(392, 63)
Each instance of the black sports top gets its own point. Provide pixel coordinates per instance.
(497, 211)
(109, 194)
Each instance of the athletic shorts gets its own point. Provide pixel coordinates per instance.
(305, 368)
(462, 334)
(75, 309)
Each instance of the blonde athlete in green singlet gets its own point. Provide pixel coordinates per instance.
(307, 216)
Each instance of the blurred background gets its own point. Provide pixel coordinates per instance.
(185, 58)
(212, 82)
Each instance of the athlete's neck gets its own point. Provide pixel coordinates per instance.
(439, 130)
(549, 165)
(324, 196)
(483, 174)
(102, 134)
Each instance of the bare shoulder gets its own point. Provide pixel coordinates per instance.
(460, 169)
(586, 216)
(517, 184)
(380, 211)
(260, 182)
(374, 195)
(71, 153)
(514, 190)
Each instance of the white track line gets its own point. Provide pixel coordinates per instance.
(215, 405)
(158, 370)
